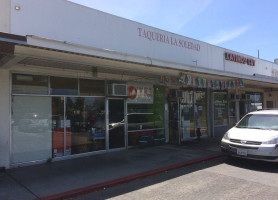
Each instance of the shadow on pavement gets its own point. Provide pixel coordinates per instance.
(254, 165)
(138, 184)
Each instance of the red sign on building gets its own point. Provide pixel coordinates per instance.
(239, 59)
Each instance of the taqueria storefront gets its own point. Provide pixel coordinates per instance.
(66, 94)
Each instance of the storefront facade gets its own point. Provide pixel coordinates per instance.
(69, 92)
(57, 117)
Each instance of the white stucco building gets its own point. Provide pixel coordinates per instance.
(76, 81)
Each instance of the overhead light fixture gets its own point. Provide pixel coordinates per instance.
(17, 7)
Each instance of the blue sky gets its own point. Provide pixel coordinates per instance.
(245, 26)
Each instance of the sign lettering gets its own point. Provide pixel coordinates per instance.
(159, 37)
(239, 59)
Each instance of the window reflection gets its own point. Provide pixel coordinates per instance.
(86, 122)
(91, 88)
(31, 128)
(201, 111)
(29, 84)
(193, 109)
(220, 108)
(63, 86)
(256, 101)
(58, 129)
(146, 119)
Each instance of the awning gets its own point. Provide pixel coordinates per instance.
(57, 54)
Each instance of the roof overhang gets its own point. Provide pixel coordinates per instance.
(7, 48)
(76, 57)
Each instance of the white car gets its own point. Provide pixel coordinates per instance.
(255, 136)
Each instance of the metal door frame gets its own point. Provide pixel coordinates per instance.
(194, 117)
(178, 120)
(107, 124)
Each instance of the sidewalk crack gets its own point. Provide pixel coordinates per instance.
(22, 185)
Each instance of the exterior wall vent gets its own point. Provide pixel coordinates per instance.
(116, 89)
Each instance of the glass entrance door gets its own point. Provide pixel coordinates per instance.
(174, 121)
(200, 109)
(232, 113)
(187, 116)
(116, 121)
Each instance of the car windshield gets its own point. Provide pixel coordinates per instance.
(259, 121)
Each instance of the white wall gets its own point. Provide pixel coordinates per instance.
(271, 96)
(65, 21)
(5, 8)
(4, 119)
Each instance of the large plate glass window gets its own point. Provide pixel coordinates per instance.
(63, 86)
(31, 129)
(220, 108)
(29, 84)
(58, 128)
(145, 112)
(91, 87)
(85, 123)
(255, 100)
(45, 126)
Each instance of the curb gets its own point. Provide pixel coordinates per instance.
(101, 186)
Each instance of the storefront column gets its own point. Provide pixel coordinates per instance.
(166, 121)
(237, 111)
(4, 119)
(209, 113)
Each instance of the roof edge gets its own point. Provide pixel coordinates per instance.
(12, 38)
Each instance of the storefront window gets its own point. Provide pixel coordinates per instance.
(63, 86)
(201, 112)
(193, 111)
(31, 129)
(232, 113)
(220, 108)
(256, 101)
(85, 118)
(174, 121)
(250, 102)
(91, 87)
(58, 128)
(29, 84)
(146, 119)
(46, 127)
(187, 115)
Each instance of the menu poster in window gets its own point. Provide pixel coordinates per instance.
(139, 93)
(220, 108)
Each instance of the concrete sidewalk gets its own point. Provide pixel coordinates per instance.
(68, 178)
